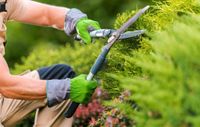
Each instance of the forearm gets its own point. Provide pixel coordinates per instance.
(40, 14)
(56, 16)
(20, 87)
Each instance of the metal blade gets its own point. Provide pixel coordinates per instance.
(120, 31)
(131, 34)
(101, 33)
(132, 20)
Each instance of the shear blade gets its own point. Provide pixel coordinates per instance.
(131, 34)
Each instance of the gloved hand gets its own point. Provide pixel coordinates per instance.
(77, 22)
(77, 89)
(81, 90)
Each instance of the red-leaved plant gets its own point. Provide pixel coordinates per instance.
(95, 114)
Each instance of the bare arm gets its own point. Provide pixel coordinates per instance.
(36, 13)
(31, 12)
(20, 87)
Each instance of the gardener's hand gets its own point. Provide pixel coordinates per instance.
(77, 89)
(81, 89)
(84, 26)
(77, 22)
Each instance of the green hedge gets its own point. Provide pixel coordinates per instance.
(167, 92)
(160, 68)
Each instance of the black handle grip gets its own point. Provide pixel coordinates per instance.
(71, 109)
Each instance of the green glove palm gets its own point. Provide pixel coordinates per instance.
(81, 90)
(83, 26)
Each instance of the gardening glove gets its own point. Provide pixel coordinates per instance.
(77, 89)
(77, 22)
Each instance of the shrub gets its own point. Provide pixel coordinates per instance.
(123, 67)
(167, 91)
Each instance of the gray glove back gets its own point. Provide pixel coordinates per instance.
(71, 19)
(57, 91)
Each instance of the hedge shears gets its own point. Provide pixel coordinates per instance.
(106, 33)
(114, 36)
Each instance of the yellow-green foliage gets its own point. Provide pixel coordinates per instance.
(168, 91)
(159, 17)
(161, 14)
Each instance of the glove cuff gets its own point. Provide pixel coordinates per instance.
(57, 91)
(71, 18)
